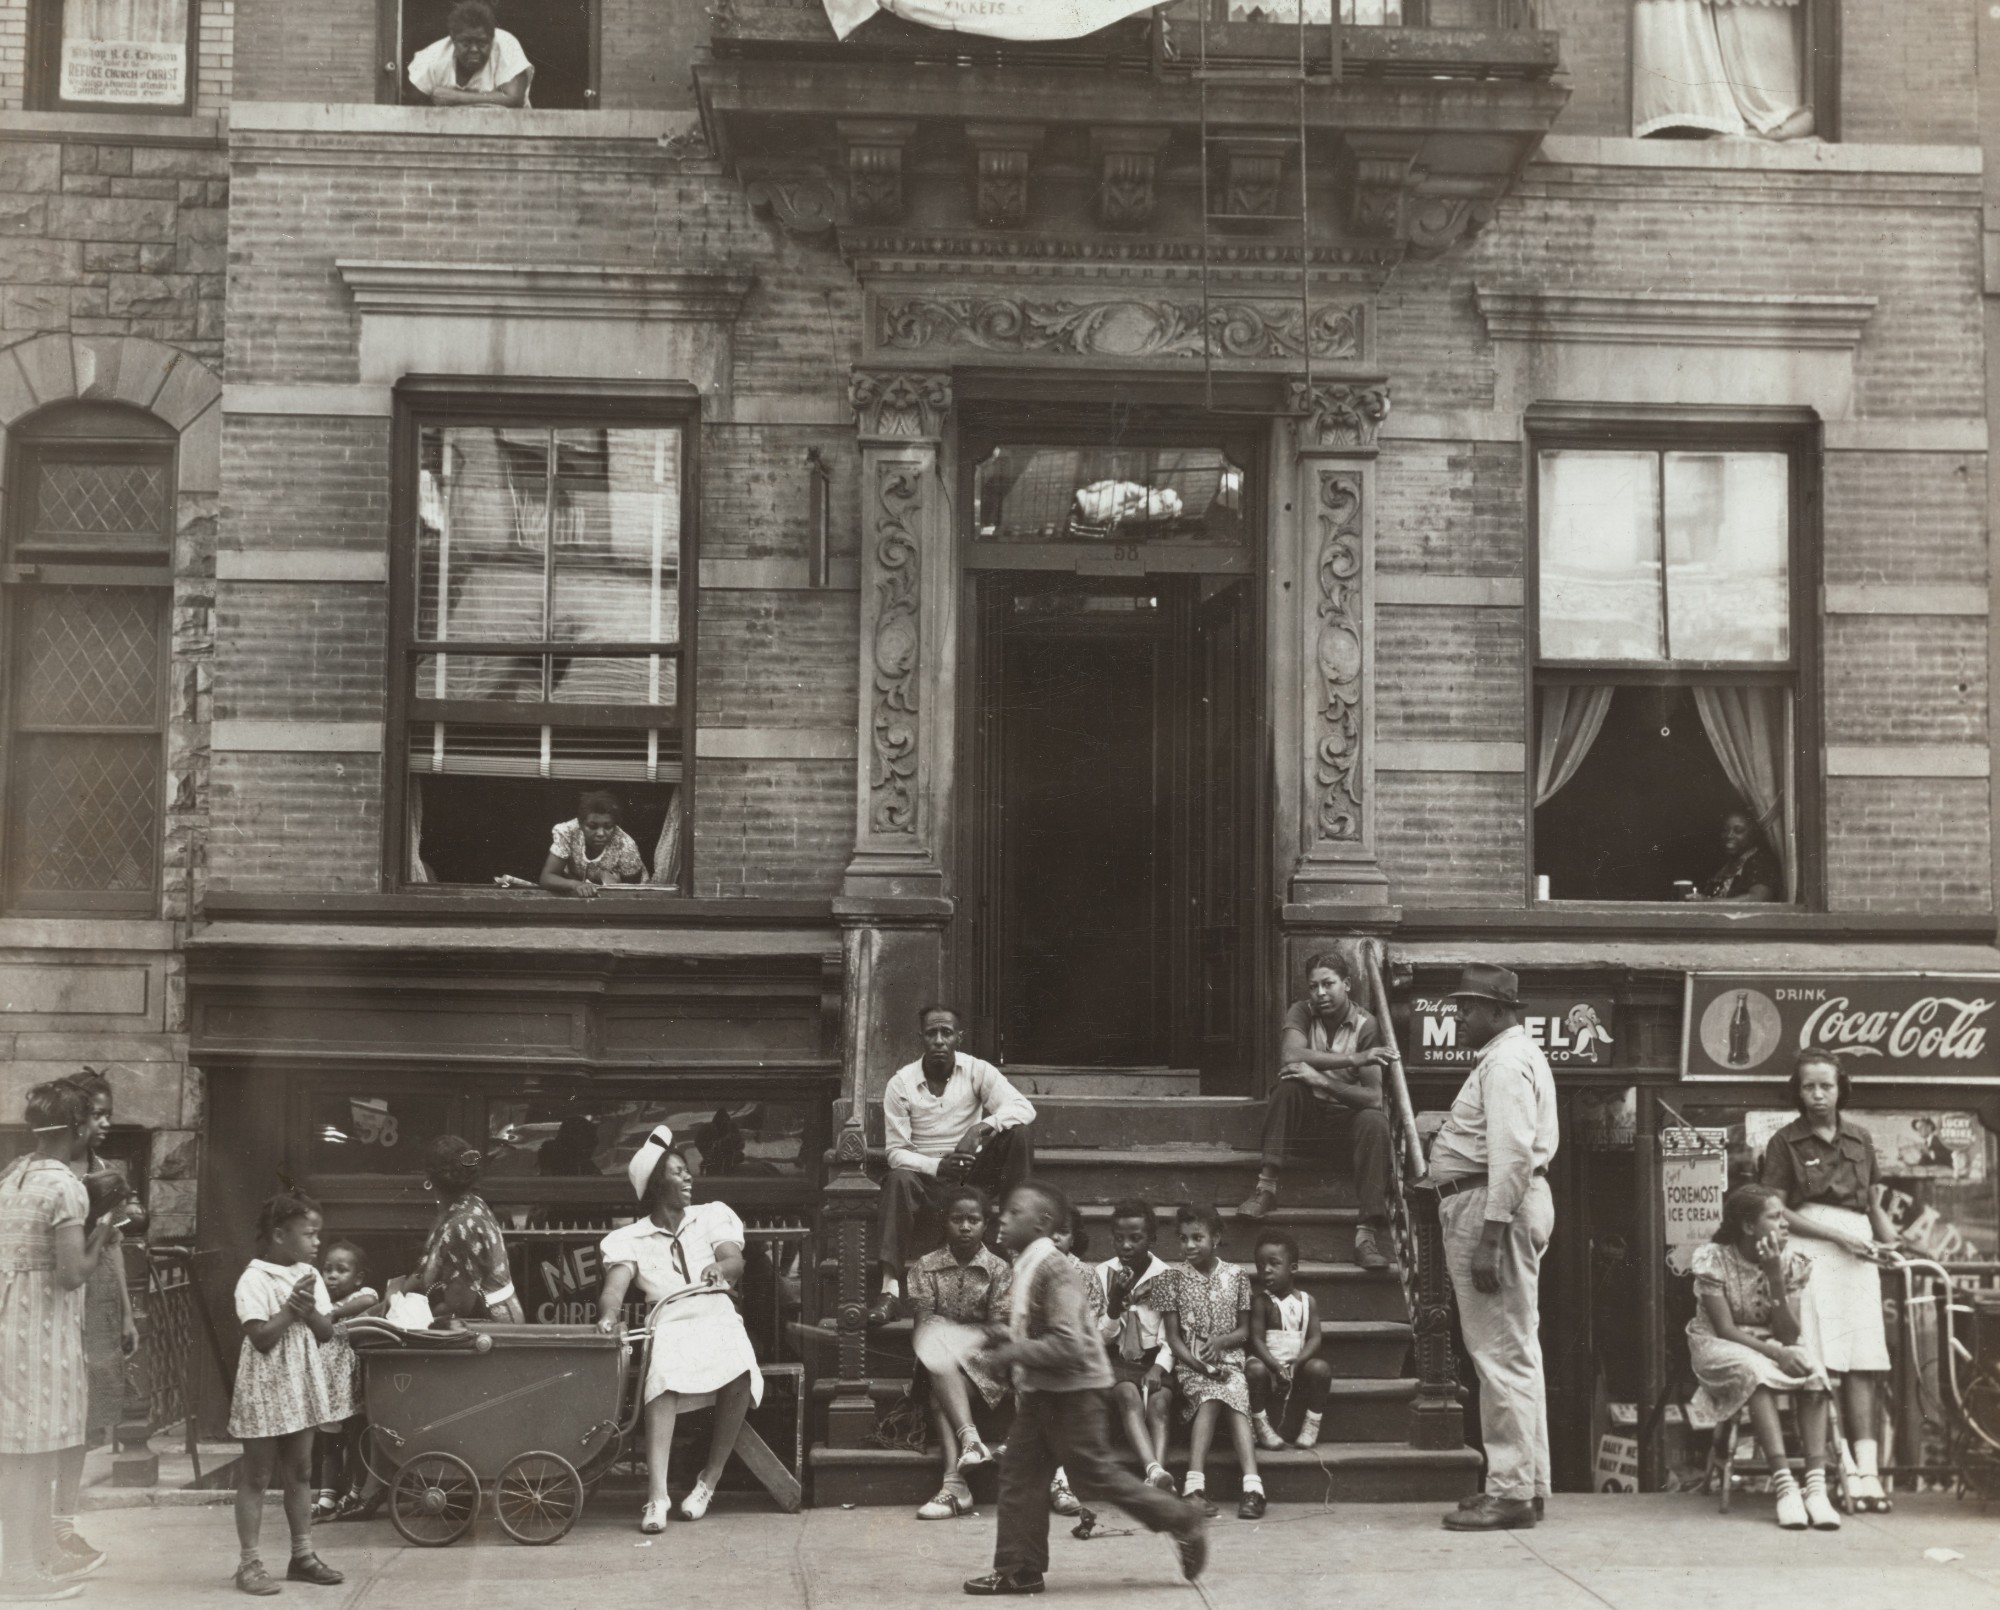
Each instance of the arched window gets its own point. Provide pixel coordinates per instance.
(88, 594)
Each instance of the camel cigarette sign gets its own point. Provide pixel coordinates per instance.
(1574, 1032)
(1915, 1027)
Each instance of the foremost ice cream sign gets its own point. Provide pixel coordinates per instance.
(1911, 1026)
(1573, 1031)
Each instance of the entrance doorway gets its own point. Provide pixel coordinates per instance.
(1112, 830)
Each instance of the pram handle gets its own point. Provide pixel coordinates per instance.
(366, 1334)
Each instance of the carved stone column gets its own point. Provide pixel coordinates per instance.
(906, 635)
(1333, 617)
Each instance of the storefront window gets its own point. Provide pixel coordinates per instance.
(1666, 668)
(375, 1134)
(586, 1139)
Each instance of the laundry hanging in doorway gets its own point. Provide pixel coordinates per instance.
(995, 19)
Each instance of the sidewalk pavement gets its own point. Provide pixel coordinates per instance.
(1664, 1552)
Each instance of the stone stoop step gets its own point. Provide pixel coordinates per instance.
(1345, 1472)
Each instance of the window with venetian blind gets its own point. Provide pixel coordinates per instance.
(545, 594)
(88, 596)
(1668, 667)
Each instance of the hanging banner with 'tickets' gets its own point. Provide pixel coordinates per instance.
(1914, 1027)
(995, 19)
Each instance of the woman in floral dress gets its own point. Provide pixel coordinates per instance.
(1208, 1326)
(465, 1267)
(46, 1256)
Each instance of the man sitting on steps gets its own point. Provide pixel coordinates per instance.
(948, 1119)
(1332, 1056)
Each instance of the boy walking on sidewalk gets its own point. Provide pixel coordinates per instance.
(1061, 1416)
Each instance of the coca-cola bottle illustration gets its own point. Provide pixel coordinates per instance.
(1739, 1030)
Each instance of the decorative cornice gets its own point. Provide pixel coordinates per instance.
(1237, 330)
(883, 252)
(893, 405)
(1341, 413)
(487, 289)
(804, 204)
(1675, 318)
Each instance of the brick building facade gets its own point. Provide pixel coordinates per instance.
(832, 290)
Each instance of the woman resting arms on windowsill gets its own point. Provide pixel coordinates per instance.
(591, 850)
(1750, 876)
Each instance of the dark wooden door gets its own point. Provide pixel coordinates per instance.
(1219, 718)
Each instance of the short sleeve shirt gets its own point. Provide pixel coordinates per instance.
(263, 1288)
(1836, 1173)
(975, 1293)
(466, 1244)
(435, 67)
(667, 1261)
(1724, 1272)
(1354, 1032)
(620, 862)
(45, 1197)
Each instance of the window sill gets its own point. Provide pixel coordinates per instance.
(446, 122)
(520, 907)
(1795, 156)
(30, 932)
(137, 128)
(1673, 918)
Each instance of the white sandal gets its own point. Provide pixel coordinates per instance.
(695, 1505)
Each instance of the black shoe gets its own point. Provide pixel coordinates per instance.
(1201, 1503)
(311, 1568)
(1492, 1515)
(1193, 1547)
(1003, 1582)
(1252, 1506)
(887, 1310)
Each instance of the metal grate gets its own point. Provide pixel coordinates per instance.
(79, 501)
(89, 813)
(166, 1354)
(91, 658)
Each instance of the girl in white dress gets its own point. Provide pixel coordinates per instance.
(685, 1256)
(283, 1390)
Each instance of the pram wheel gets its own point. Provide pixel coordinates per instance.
(538, 1497)
(434, 1499)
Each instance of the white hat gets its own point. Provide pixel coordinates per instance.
(647, 1158)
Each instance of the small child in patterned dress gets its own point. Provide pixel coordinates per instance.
(282, 1388)
(1207, 1327)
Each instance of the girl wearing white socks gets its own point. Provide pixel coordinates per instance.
(1744, 1344)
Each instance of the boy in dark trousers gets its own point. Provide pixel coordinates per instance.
(1062, 1413)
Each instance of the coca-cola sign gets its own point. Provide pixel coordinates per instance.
(1929, 1027)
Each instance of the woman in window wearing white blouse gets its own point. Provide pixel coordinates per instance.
(685, 1256)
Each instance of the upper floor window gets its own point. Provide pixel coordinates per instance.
(555, 41)
(113, 55)
(1745, 67)
(88, 591)
(1667, 670)
(542, 639)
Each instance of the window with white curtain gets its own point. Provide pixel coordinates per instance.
(1665, 728)
(547, 581)
(113, 55)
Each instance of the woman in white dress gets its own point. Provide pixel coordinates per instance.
(685, 1256)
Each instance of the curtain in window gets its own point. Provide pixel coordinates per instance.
(125, 52)
(667, 849)
(1679, 80)
(1751, 731)
(418, 872)
(1762, 53)
(1571, 718)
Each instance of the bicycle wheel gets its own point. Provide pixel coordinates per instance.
(434, 1499)
(538, 1497)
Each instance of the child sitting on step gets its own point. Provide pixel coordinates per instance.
(1135, 1287)
(1207, 1327)
(957, 1293)
(1285, 1368)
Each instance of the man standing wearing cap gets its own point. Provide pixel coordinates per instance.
(1490, 1164)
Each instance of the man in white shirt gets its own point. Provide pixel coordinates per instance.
(476, 64)
(947, 1119)
(1490, 1164)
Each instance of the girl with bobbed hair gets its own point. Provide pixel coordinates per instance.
(1823, 1164)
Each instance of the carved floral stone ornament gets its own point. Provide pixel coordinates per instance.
(1341, 413)
(897, 405)
(892, 784)
(803, 204)
(1338, 658)
(1119, 327)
